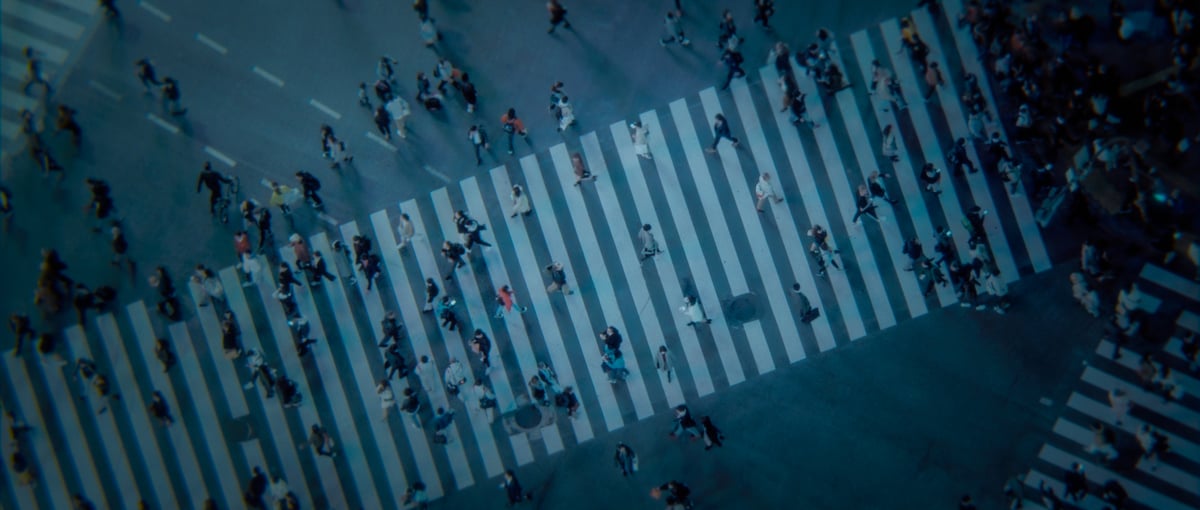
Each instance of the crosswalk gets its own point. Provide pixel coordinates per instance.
(1170, 483)
(740, 264)
(53, 28)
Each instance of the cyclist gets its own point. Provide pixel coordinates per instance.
(212, 180)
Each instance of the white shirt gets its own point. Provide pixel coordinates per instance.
(764, 189)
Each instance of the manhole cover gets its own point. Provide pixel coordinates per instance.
(741, 309)
(528, 417)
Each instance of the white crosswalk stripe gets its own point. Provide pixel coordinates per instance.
(700, 207)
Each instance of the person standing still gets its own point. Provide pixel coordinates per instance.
(721, 130)
(513, 126)
(558, 16)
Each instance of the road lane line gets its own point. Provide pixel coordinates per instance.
(220, 156)
(268, 76)
(325, 109)
(205, 40)
(432, 171)
(163, 123)
(379, 139)
(156, 11)
(112, 94)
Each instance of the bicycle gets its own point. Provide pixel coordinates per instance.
(228, 196)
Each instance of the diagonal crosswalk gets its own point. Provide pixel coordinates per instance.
(740, 264)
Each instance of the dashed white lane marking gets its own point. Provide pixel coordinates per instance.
(156, 11)
(205, 40)
(445, 178)
(268, 76)
(381, 141)
(112, 94)
(163, 123)
(327, 110)
(219, 156)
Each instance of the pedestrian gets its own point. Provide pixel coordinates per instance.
(537, 391)
(364, 99)
(320, 269)
(865, 205)
(41, 154)
(160, 409)
(875, 185)
(455, 377)
(145, 73)
(1076, 482)
(445, 312)
(639, 134)
(259, 371)
(995, 286)
(674, 31)
(567, 400)
(411, 406)
(394, 363)
(625, 459)
(383, 121)
(520, 202)
(513, 126)
(65, 121)
(469, 94)
(445, 73)
(581, 171)
(321, 441)
(891, 145)
(683, 421)
(405, 231)
(470, 230)
(727, 38)
(662, 362)
(384, 69)
(611, 337)
(479, 142)
(371, 269)
(808, 312)
(558, 279)
(443, 433)
(101, 204)
(392, 329)
(1113, 492)
(427, 373)
(1103, 441)
(1153, 444)
(505, 299)
(399, 110)
(168, 304)
(566, 113)
(212, 180)
(171, 97)
(558, 16)
(721, 130)
(231, 336)
(1118, 399)
(650, 246)
(612, 362)
(966, 503)
(483, 401)
(429, 32)
(763, 10)
(431, 293)
(733, 62)
(512, 487)
(21, 328)
(33, 72)
(482, 346)
(957, 157)
(933, 79)
(693, 311)
(22, 466)
(712, 435)
(765, 191)
(334, 148)
(678, 495)
(282, 196)
(310, 185)
(209, 284)
(387, 398)
(931, 177)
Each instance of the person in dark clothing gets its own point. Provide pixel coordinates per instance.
(212, 180)
(470, 95)
(370, 268)
(168, 304)
(611, 338)
(383, 121)
(482, 345)
(253, 497)
(164, 353)
(394, 363)
(431, 293)
(558, 16)
(712, 435)
(145, 73)
(286, 277)
(677, 493)
(1076, 482)
(171, 97)
(957, 157)
(263, 222)
(392, 329)
(310, 186)
(733, 61)
(453, 253)
(763, 10)
(512, 489)
(721, 130)
(320, 268)
(160, 409)
(445, 312)
(21, 328)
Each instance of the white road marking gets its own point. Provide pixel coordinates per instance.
(445, 178)
(156, 11)
(112, 94)
(163, 123)
(220, 156)
(205, 40)
(325, 109)
(268, 76)
(381, 141)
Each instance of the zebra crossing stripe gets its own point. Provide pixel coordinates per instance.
(44, 452)
(1128, 358)
(798, 160)
(201, 398)
(480, 318)
(926, 134)
(593, 257)
(622, 247)
(1034, 480)
(844, 198)
(19, 39)
(271, 408)
(37, 16)
(252, 450)
(1171, 281)
(541, 306)
(113, 446)
(112, 346)
(865, 156)
(902, 170)
(540, 194)
(752, 223)
(514, 324)
(977, 182)
(418, 339)
(83, 6)
(646, 213)
(423, 248)
(703, 288)
(179, 432)
(1026, 221)
(1145, 399)
(1136, 491)
(1083, 436)
(1103, 412)
(327, 471)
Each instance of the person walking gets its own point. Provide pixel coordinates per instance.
(712, 435)
(505, 298)
(399, 110)
(65, 121)
(479, 142)
(558, 279)
(159, 409)
(321, 441)
(405, 231)
(865, 205)
(470, 230)
(22, 328)
(679, 496)
(394, 363)
(513, 126)
(875, 185)
(147, 75)
(520, 202)
(383, 121)
(650, 246)
(581, 172)
(674, 31)
(639, 134)
(320, 269)
(469, 94)
(431, 293)
(566, 113)
(808, 312)
(626, 459)
(310, 185)
(33, 72)
(427, 374)
(445, 312)
(763, 10)
(931, 177)
(412, 406)
(933, 79)
(1076, 482)
(443, 433)
(455, 377)
(512, 489)
(164, 354)
(683, 421)
(387, 398)
(392, 329)
(212, 180)
(482, 346)
(482, 400)
(662, 362)
(890, 144)
(727, 38)
(733, 62)
(721, 130)
(334, 148)
(764, 191)
(1119, 400)
(558, 16)
(693, 311)
(171, 97)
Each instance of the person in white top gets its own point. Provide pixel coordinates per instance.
(482, 400)
(765, 191)
(427, 373)
(891, 147)
(566, 113)
(640, 144)
(387, 398)
(404, 232)
(399, 110)
(693, 311)
(520, 202)
(456, 379)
